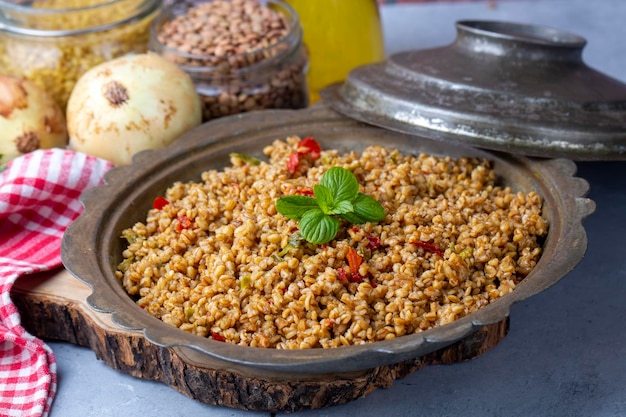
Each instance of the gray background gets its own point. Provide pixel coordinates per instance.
(565, 354)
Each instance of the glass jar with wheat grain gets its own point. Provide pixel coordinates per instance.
(53, 42)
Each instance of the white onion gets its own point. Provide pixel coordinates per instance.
(129, 104)
(30, 119)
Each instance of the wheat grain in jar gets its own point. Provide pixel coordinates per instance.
(53, 42)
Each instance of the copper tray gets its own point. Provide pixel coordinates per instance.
(92, 245)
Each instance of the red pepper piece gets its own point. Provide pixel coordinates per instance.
(306, 147)
(293, 162)
(217, 337)
(352, 277)
(343, 275)
(305, 191)
(372, 241)
(354, 260)
(355, 277)
(311, 147)
(160, 202)
(183, 223)
(428, 247)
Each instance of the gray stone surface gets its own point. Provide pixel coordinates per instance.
(566, 352)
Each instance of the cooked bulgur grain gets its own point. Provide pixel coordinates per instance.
(215, 261)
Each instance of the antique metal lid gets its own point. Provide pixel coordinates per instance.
(504, 86)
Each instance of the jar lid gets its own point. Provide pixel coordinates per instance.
(503, 86)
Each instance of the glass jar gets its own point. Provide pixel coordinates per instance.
(53, 42)
(340, 36)
(272, 76)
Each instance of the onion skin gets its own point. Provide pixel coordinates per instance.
(130, 104)
(29, 119)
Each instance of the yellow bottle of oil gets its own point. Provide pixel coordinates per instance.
(340, 36)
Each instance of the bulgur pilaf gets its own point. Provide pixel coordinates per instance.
(214, 258)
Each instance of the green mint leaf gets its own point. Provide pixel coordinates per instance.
(342, 207)
(317, 227)
(337, 194)
(353, 218)
(368, 208)
(324, 198)
(328, 204)
(342, 183)
(294, 206)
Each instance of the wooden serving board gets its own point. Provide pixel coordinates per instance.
(53, 306)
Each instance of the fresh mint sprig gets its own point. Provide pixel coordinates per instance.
(336, 196)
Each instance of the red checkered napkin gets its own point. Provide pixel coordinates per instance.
(38, 200)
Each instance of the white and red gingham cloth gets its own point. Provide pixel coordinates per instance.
(38, 200)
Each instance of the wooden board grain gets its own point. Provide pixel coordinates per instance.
(53, 305)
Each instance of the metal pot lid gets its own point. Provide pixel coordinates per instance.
(504, 86)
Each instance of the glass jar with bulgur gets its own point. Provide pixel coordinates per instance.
(242, 55)
(53, 42)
